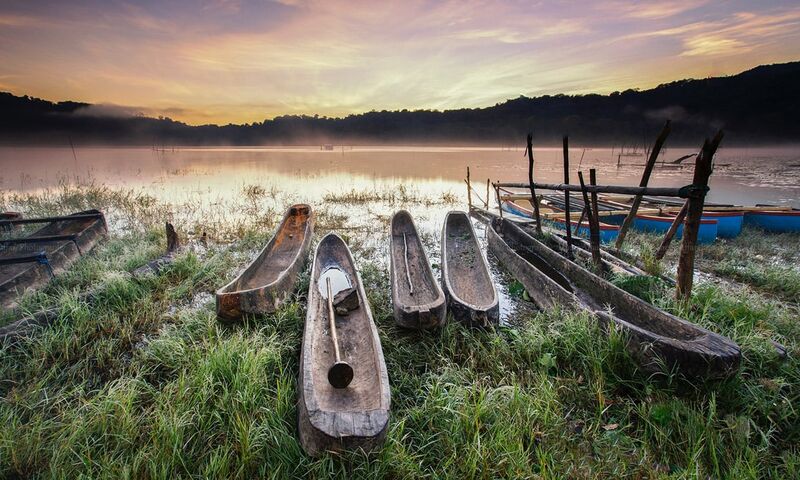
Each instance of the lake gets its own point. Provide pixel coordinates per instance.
(207, 185)
(742, 175)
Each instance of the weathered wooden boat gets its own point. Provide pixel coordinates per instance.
(471, 295)
(775, 221)
(656, 339)
(417, 298)
(266, 283)
(608, 232)
(354, 416)
(31, 322)
(707, 233)
(6, 227)
(28, 263)
(614, 261)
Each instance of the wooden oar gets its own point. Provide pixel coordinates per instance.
(341, 373)
(408, 273)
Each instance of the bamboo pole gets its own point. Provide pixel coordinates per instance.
(648, 169)
(694, 212)
(469, 191)
(683, 192)
(673, 229)
(534, 200)
(566, 197)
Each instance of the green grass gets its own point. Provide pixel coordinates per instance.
(144, 382)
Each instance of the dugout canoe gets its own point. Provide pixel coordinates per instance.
(417, 298)
(655, 338)
(468, 286)
(580, 248)
(356, 416)
(30, 262)
(266, 283)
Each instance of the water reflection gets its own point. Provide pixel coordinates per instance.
(743, 175)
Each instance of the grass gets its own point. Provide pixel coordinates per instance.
(144, 382)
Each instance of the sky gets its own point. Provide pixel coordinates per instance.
(243, 61)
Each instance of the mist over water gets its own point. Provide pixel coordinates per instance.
(742, 175)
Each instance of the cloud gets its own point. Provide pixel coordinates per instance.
(244, 60)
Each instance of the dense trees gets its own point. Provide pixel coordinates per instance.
(759, 105)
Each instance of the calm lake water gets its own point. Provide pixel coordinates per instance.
(203, 182)
(743, 175)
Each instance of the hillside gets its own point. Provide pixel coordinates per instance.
(755, 106)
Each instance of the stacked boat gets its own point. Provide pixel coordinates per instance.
(30, 262)
(656, 215)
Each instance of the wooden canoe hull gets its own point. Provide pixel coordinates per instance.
(655, 338)
(468, 286)
(426, 307)
(355, 417)
(268, 281)
(16, 279)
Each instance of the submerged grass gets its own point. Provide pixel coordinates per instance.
(144, 382)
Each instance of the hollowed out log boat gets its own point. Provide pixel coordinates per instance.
(417, 298)
(28, 263)
(655, 338)
(580, 247)
(270, 278)
(356, 416)
(471, 295)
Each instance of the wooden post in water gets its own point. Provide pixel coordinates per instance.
(648, 169)
(594, 223)
(594, 235)
(486, 202)
(469, 191)
(567, 217)
(694, 212)
(534, 200)
(673, 229)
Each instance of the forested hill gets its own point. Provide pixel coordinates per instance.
(761, 105)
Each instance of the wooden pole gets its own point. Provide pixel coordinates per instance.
(486, 203)
(594, 236)
(534, 199)
(648, 169)
(567, 217)
(594, 223)
(499, 201)
(469, 191)
(583, 213)
(694, 212)
(682, 192)
(673, 229)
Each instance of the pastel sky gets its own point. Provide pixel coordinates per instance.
(220, 61)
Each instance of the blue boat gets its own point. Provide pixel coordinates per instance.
(775, 221)
(729, 224)
(608, 233)
(657, 224)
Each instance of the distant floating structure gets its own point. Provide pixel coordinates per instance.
(326, 146)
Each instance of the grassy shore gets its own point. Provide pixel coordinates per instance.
(145, 383)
